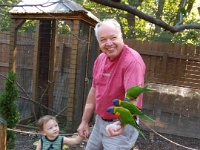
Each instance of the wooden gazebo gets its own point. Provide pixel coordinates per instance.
(80, 55)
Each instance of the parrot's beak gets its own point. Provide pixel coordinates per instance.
(117, 115)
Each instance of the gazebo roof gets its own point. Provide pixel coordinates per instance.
(41, 7)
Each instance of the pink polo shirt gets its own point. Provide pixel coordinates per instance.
(111, 78)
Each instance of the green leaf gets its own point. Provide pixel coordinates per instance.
(183, 11)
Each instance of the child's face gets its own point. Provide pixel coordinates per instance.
(51, 129)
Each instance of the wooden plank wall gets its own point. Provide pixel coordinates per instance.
(175, 110)
(4, 55)
(3, 129)
(174, 72)
(169, 63)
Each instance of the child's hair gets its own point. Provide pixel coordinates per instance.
(44, 120)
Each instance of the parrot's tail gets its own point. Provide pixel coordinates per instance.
(146, 89)
(140, 132)
(147, 117)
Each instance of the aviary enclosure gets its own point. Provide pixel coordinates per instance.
(53, 63)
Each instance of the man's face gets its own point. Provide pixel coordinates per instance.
(110, 41)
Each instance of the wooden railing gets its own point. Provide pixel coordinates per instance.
(2, 134)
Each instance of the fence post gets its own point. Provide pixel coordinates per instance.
(3, 137)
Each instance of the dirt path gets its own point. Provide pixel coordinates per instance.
(153, 142)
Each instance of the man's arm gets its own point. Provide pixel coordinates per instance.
(89, 106)
(83, 129)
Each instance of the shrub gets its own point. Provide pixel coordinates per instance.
(8, 107)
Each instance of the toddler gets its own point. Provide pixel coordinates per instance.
(51, 140)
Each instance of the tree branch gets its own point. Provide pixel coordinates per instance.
(149, 18)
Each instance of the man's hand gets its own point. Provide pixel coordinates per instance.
(83, 130)
(114, 129)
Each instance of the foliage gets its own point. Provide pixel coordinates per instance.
(4, 15)
(134, 27)
(166, 10)
(8, 107)
(28, 26)
(63, 28)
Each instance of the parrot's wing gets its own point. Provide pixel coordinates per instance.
(131, 107)
(136, 126)
(133, 92)
(139, 112)
(127, 118)
(136, 110)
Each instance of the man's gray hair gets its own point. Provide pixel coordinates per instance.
(109, 22)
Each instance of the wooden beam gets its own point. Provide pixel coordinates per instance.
(72, 73)
(52, 64)
(15, 25)
(35, 71)
(162, 54)
(3, 136)
(60, 16)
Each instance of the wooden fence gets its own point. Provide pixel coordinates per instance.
(172, 70)
(169, 63)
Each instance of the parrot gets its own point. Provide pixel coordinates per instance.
(135, 91)
(134, 110)
(125, 117)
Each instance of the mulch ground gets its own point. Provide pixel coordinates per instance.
(153, 142)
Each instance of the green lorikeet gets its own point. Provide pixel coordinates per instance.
(134, 110)
(125, 117)
(135, 91)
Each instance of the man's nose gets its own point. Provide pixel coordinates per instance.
(108, 42)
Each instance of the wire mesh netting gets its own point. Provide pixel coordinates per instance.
(25, 53)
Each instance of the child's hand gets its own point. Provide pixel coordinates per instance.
(114, 129)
